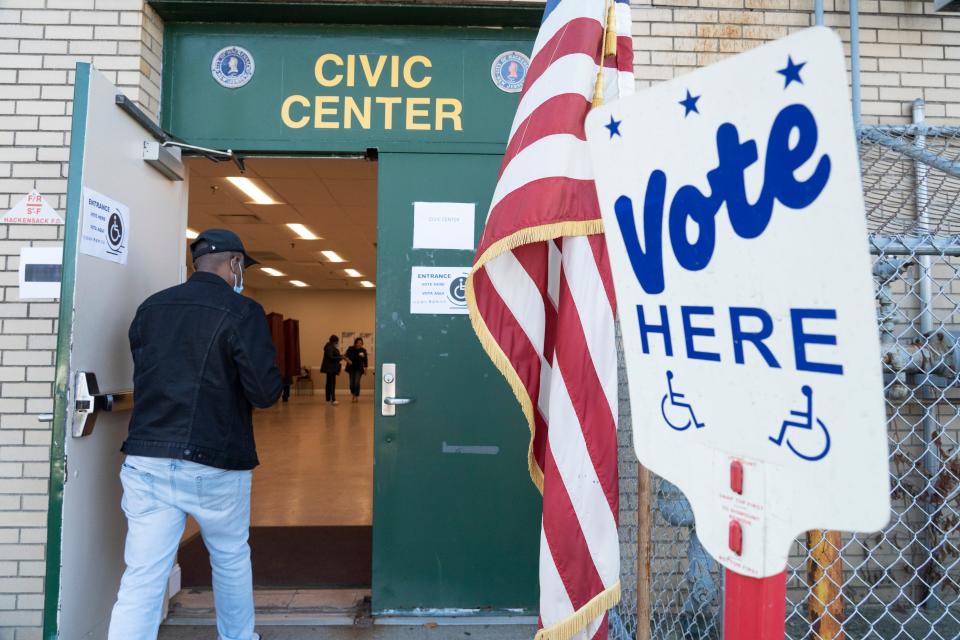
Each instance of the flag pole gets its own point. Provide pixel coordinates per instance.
(643, 553)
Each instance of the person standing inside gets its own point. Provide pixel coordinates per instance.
(331, 366)
(356, 366)
(203, 358)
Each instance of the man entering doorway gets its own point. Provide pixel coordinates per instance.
(203, 358)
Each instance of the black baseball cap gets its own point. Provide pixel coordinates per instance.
(218, 241)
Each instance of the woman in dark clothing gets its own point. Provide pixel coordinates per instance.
(356, 365)
(331, 367)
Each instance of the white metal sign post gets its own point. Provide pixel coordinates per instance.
(734, 219)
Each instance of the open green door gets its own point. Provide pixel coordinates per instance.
(456, 519)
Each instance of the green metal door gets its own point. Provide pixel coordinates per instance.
(456, 520)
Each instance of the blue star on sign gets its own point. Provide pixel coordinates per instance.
(791, 72)
(689, 104)
(614, 127)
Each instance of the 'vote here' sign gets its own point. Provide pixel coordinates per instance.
(733, 210)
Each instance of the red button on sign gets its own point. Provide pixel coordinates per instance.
(736, 537)
(736, 477)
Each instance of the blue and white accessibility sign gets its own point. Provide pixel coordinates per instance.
(733, 210)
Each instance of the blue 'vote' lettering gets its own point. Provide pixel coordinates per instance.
(726, 186)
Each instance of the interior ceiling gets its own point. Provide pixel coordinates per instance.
(335, 198)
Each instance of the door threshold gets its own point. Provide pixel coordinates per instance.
(455, 621)
(329, 608)
(278, 607)
(273, 620)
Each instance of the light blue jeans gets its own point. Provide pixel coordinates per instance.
(158, 494)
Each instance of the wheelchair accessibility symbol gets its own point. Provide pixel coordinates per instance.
(812, 451)
(677, 402)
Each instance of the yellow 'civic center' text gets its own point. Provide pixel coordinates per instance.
(410, 113)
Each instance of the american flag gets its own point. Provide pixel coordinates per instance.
(541, 300)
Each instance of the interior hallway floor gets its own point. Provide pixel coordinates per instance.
(316, 471)
(316, 462)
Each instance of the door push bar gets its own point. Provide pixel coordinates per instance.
(90, 402)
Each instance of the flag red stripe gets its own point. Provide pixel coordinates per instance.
(580, 35)
(601, 633)
(565, 538)
(508, 333)
(515, 343)
(599, 247)
(535, 260)
(587, 397)
(543, 201)
(564, 113)
(624, 57)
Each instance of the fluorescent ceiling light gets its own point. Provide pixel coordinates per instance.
(271, 271)
(302, 232)
(191, 234)
(332, 256)
(353, 273)
(298, 283)
(367, 284)
(254, 192)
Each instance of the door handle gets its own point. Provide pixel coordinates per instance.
(388, 390)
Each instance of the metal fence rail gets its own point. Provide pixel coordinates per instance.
(902, 583)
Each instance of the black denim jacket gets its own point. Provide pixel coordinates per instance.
(202, 359)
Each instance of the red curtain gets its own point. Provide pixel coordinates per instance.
(291, 348)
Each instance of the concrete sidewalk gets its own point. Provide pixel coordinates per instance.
(374, 632)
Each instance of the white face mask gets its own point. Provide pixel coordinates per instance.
(238, 280)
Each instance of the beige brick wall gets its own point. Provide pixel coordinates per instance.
(40, 43)
(907, 50)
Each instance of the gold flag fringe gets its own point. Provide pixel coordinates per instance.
(576, 623)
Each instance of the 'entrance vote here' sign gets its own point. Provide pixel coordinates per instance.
(733, 210)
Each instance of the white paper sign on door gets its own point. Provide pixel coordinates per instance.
(734, 219)
(105, 227)
(444, 225)
(439, 290)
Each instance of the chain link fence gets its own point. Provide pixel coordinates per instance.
(902, 583)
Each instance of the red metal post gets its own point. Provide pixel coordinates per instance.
(754, 608)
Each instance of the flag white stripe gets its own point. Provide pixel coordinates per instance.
(596, 316)
(580, 478)
(521, 296)
(559, 155)
(573, 73)
(554, 600)
(555, 261)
